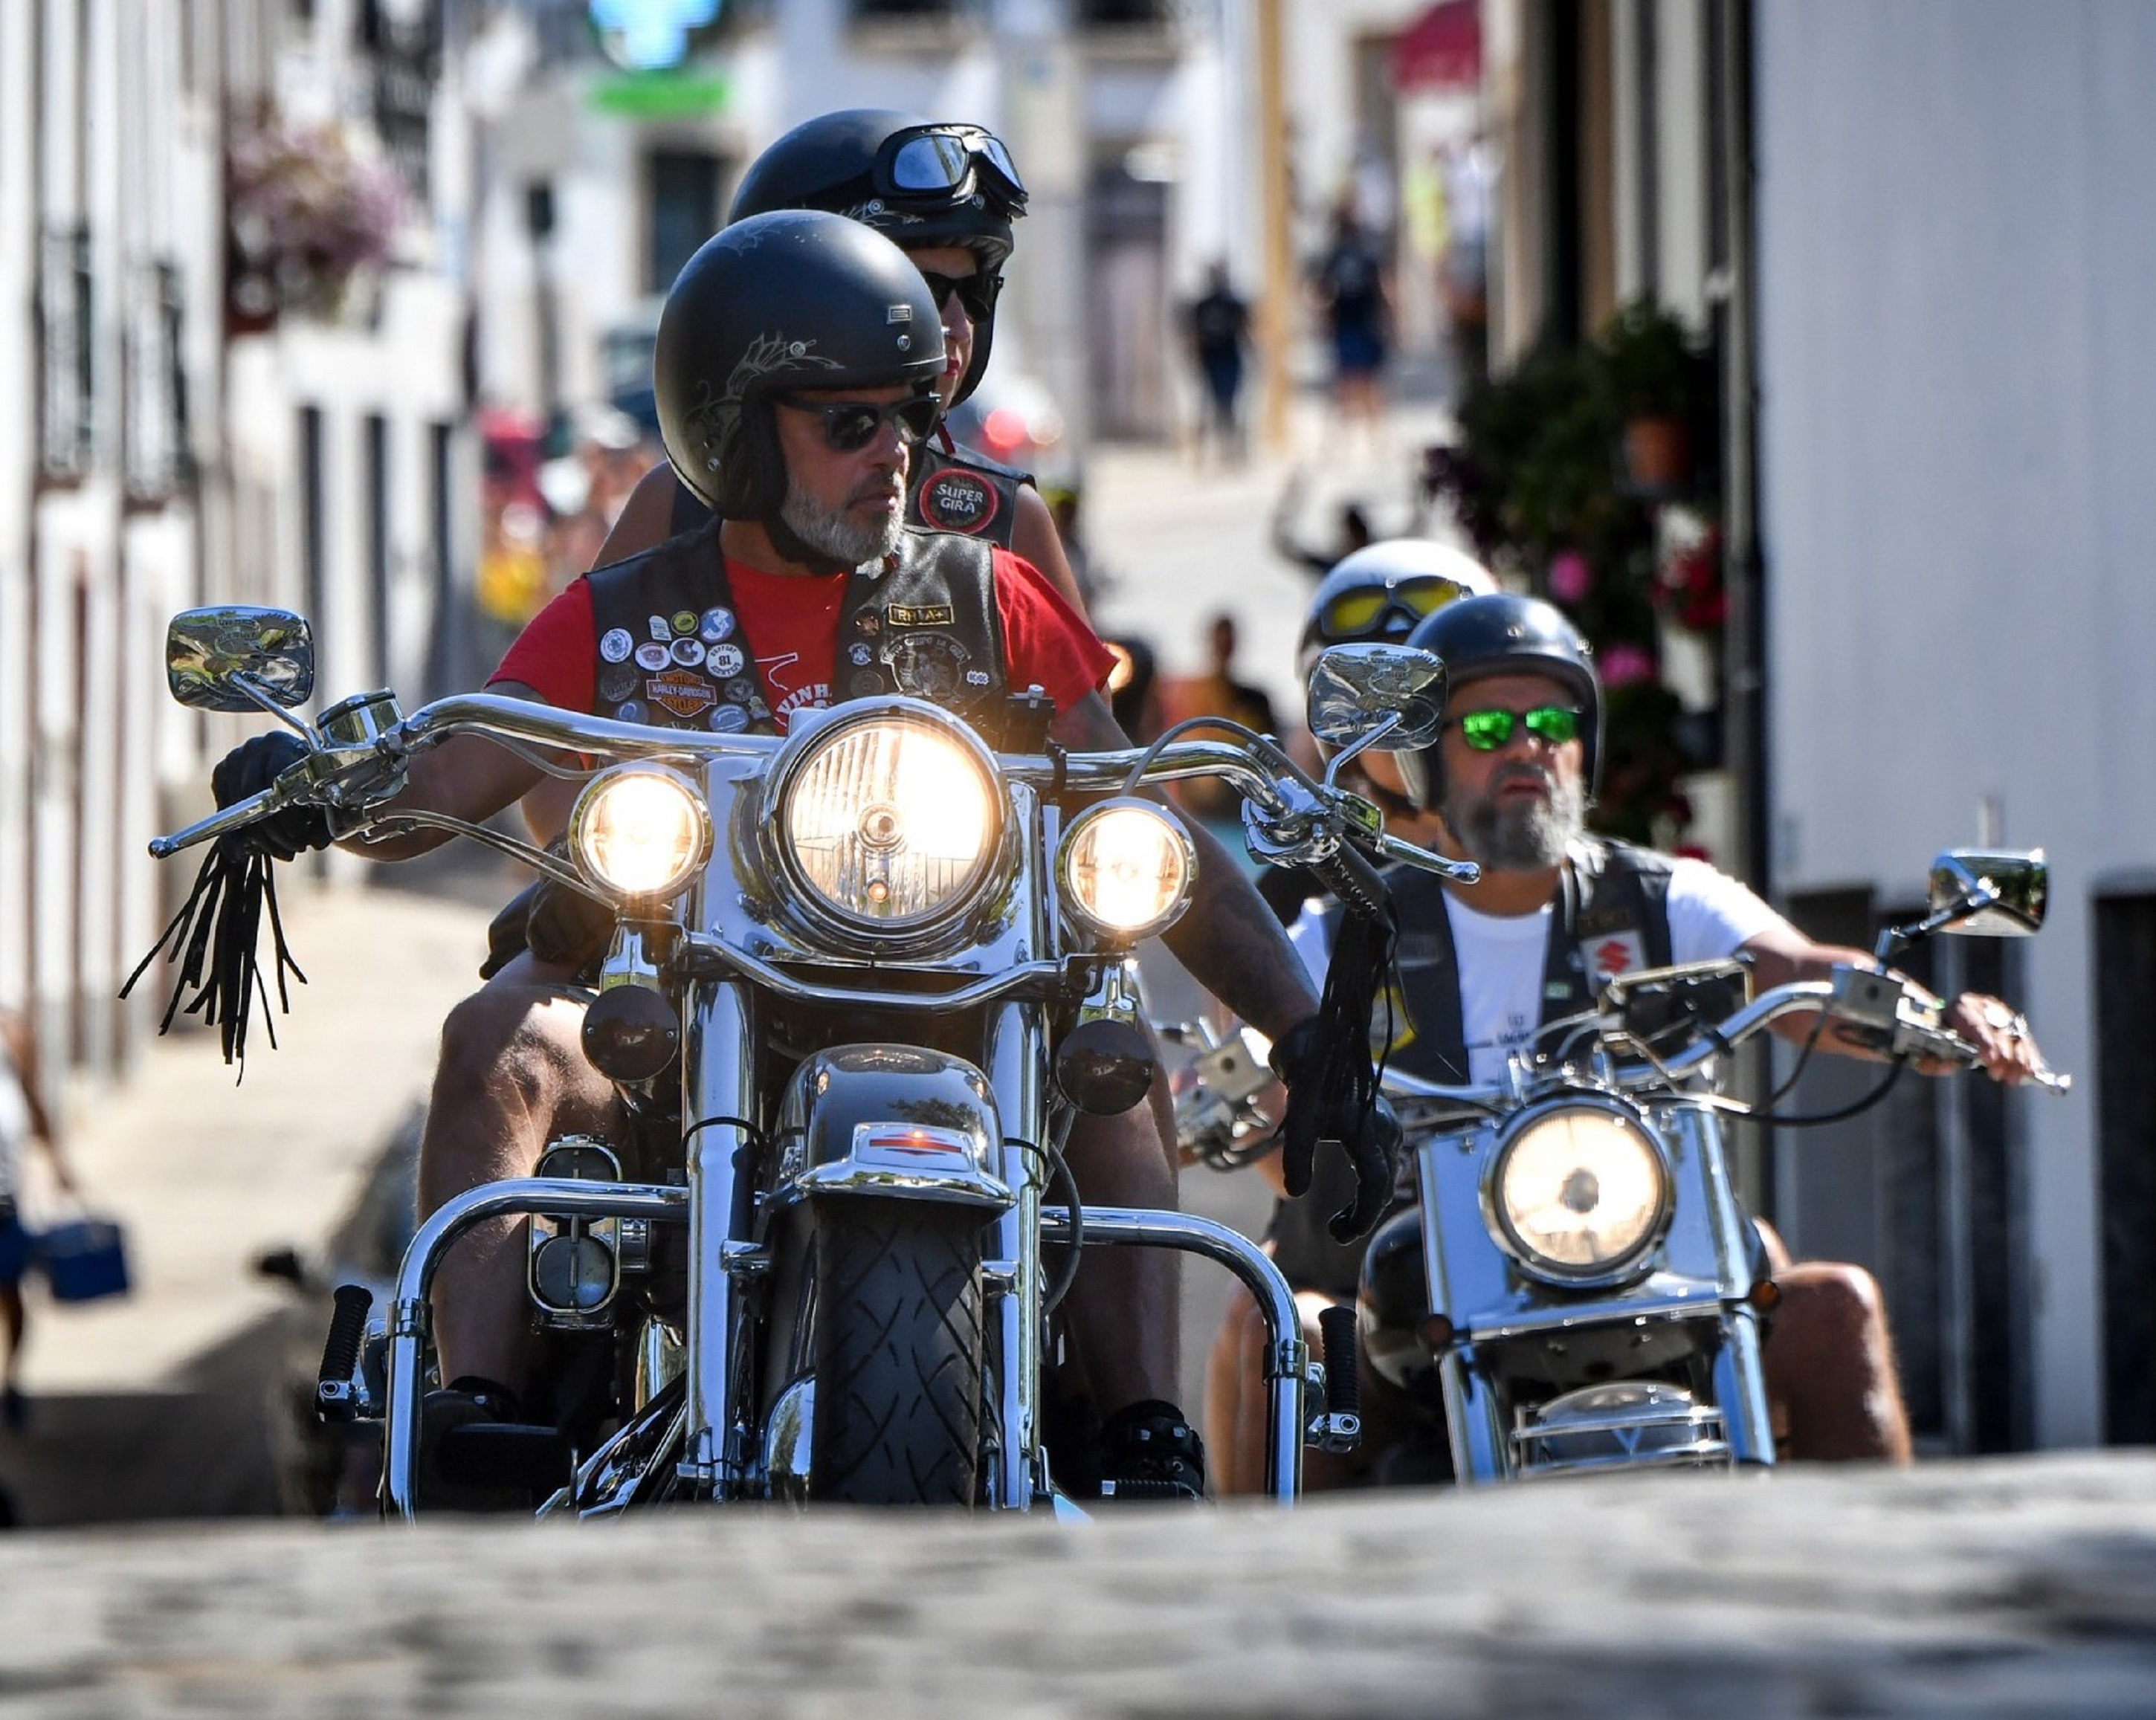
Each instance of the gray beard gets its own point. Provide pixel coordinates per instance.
(1521, 839)
(830, 532)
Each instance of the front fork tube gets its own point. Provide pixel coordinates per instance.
(1017, 1060)
(719, 1071)
(1740, 1387)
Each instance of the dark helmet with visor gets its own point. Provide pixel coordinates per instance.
(1504, 634)
(797, 300)
(922, 182)
(1378, 594)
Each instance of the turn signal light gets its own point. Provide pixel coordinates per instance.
(1437, 1333)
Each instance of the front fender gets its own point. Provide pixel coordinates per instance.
(891, 1121)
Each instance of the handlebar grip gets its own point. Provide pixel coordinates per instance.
(1343, 1389)
(1351, 877)
(237, 816)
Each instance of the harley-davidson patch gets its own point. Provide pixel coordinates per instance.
(956, 500)
(684, 694)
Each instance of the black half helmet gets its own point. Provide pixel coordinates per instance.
(1505, 634)
(794, 299)
(1378, 594)
(921, 182)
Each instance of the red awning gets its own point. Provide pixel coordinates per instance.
(1441, 49)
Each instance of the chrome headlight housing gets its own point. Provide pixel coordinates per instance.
(1578, 1193)
(886, 825)
(641, 831)
(1124, 869)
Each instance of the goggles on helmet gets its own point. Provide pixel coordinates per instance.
(1359, 613)
(946, 160)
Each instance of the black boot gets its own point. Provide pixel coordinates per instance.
(478, 1453)
(1150, 1450)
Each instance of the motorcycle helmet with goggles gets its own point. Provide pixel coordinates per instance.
(1378, 594)
(1507, 634)
(922, 182)
(795, 303)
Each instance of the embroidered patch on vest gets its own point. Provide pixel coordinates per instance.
(926, 665)
(955, 499)
(684, 694)
(1616, 953)
(921, 614)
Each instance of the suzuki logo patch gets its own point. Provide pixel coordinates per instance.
(1620, 952)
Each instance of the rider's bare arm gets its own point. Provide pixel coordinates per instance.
(466, 776)
(2010, 1049)
(1230, 939)
(1034, 537)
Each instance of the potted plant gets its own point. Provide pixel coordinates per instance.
(1657, 381)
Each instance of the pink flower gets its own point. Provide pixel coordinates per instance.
(1570, 576)
(1622, 666)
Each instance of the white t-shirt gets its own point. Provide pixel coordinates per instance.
(1502, 957)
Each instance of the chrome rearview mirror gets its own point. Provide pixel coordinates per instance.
(1990, 895)
(1977, 893)
(237, 657)
(1387, 698)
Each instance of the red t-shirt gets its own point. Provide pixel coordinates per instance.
(791, 622)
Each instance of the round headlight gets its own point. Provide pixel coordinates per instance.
(890, 823)
(640, 830)
(1579, 1191)
(1126, 867)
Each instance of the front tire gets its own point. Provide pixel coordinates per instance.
(898, 1353)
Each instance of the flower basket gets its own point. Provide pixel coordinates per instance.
(306, 216)
(1658, 456)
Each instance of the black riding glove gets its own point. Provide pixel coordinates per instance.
(252, 767)
(564, 924)
(1326, 1102)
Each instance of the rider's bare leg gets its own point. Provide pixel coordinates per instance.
(1239, 1403)
(1125, 1303)
(1830, 1365)
(512, 1076)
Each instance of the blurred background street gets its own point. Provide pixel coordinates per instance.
(1799, 352)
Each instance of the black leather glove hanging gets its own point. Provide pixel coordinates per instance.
(212, 936)
(252, 767)
(1329, 1100)
(556, 922)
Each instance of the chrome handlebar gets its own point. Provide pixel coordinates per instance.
(1292, 819)
(1864, 998)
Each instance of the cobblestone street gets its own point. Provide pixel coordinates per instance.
(2022, 1588)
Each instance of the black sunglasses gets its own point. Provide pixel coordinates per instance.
(851, 425)
(976, 292)
(925, 160)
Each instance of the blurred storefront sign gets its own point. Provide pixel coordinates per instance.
(653, 35)
(1441, 49)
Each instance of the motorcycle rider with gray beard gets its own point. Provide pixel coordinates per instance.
(1557, 913)
(795, 371)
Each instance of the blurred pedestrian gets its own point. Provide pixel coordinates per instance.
(1463, 273)
(22, 1118)
(1349, 282)
(1217, 693)
(1353, 532)
(1219, 326)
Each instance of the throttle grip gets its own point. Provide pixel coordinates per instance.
(1351, 877)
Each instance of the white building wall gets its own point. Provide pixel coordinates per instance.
(1955, 243)
(17, 451)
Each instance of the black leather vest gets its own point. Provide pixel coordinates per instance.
(1613, 900)
(921, 621)
(953, 489)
